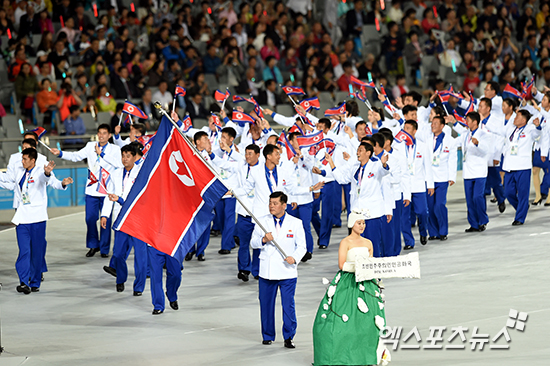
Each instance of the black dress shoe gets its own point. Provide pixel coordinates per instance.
(546, 204)
(517, 223)
(307, 257)
(35, 289)
(224, 251)
(157, 312)
(433, 238)
(502, 207)
(443, 237)
(322, 247)
(23, 288)
(237, 240)
(214, 232)
(471, 230)
(110, 270)
(104, 255)
(267, 343)
(423, 240)
(174, 305)
(189, 256)
(42, 277)
(336, 226)
(242, 276)
(256, 277)
(137, 293)
(119, 287)
(200, 258)
(494, 200)
(92, 252)
(289, 343)
(408, 247)
(482, 227)
(544, 196)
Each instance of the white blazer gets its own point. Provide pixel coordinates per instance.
(519, 146)
(291, 239)
(419, 166)
(367, 197)
(444, 160)
(474, 157)
(248, 198)
(35, 187)
(111, 156)
(120, 188)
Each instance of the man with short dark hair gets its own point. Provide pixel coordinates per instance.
(278, 271)
(96, 154)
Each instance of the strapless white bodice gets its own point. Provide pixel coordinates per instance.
(352, 254)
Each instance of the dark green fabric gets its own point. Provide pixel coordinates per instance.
(351, 342)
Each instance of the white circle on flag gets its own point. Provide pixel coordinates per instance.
(130, 108)
(239, 115)
(316, 138)
(306, 104)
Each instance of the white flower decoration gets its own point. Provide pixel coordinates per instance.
(376, 293)
(331, 291)
(325, 281)
(379, 321)
(361, 287)
(362, 305)
(329, 301)
(324, 316)
(381, 305)
(337, 278)
(382, 296)
(345, 318)
(325, 306)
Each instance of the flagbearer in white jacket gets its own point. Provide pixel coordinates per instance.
(95, 153)
(519, 140)
(444, 165)
(123, 180)
(136, 131)
(275, 270)
(30, 219)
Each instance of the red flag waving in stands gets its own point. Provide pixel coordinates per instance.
(133, 110)
(173, 196)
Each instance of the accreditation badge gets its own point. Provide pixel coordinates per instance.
(223, 174)
(25, 198)
(436, 159)
(251, 194)
(514, 148)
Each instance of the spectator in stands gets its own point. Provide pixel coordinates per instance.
(69, 30)
(19, 60)
(211, 61)
(43, 68)
(156, 74)
(173, 51)
(269, 96)
(122, 86)
(82, 88)
(119, 119)
(104, 100)
(45, 22)
(67, 98)
(20, 10)
(345, 80)
(339, 69)
(5, 23)
(196, 108)
(472, 81)
(393, 46)
(82, 21)
(47, 99)
(146, 105)
(400, 88)
(28, 24)
(74, 125)
(199, 86)
(25, 88)
(163, 95)
(269, 49)
(450, 57)
(413, 54)
(271, 71)
(355, 19)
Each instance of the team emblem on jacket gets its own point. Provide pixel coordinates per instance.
(370, 175)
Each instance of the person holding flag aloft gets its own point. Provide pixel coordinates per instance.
(96, 153)
(136, 131)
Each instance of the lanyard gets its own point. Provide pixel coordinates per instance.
(126, 175)
(102, 150)
(519, 134)
(27, 178)
(268, 175)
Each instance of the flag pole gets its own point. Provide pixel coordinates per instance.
(174, 104)
(47, 147)
(293, 102)
(197, 152)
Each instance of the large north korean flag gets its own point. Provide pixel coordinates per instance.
(172, 200)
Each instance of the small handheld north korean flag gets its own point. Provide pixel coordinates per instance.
(40, 131)
(133, 110)
(186, 123)
(404, 136)
(217, 121)
(221, 97)
(310, 103)
(310, 140)
(147, 142)
(460, 119)
(293, 90)
(511, 91)
(238, 99)
(180, 91)
(239, 116)
(336, 111)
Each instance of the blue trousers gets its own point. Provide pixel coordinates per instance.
(494, 181)
(387, 238)
(31, 239)
(438, 220)
(347, 197)
(518, 185)
(225, 212)
(200, 246)
(545, 166)
(373, 232)
(337, 217)
(476, 203)
(267, 294)
(420, 208)
(244, 230)
(121, 249)
(323, 226)
(157, 260)
(396, 223)
(304, 213)
(93, 240)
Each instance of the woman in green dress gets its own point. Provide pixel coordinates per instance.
(350, 316)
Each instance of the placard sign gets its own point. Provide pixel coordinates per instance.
(403, 266)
